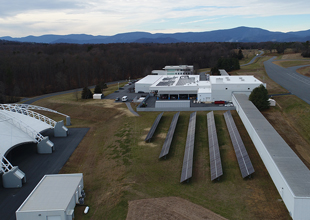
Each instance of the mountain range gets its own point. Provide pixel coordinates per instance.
(239, 34)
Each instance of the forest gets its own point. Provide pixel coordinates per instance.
(29, 69)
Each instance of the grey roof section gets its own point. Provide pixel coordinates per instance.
(214, 150)
(294, 171)
(53, 192)
(166, 147)
(223, 73)
(168, 81)
(187, 168)
(153, 128)
(243, 158)
(185, 79)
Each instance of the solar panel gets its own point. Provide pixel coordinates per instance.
(153, 128)
(187, 168)
(214, 151)
(166, 147)
(243, 158)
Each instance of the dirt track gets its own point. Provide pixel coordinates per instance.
(168, 208)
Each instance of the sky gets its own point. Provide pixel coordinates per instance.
(20, 18)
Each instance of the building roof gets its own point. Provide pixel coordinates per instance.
(177, 67)
(294, 171)
(53, 192)
(176, 82)
(149, 79)
(233, 80)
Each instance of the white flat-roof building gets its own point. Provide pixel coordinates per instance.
(175, 70)
(289, 174)
(144, 84)
(54, 198)
(190, 86)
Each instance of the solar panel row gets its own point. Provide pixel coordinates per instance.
(166, 147)
(243, 158)
(187, 168)
(153, 128)
(214, 151)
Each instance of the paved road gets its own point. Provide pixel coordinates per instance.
(31, 100)
(288, 78)
(254, 58)
(35, 166)
(131, 109)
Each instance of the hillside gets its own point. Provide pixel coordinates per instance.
(239, 34)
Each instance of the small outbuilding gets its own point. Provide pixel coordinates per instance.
(98, 96)
(272, 102)
(54, 198)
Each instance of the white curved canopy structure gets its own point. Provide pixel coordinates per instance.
(19, 125)
(33, 107)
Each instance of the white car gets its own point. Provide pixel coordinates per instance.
(124, 99)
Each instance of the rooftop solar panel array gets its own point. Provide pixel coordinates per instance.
(243, 158)
(166, 147)
(153, 128)
(168, 81)
(215, 158)
(187, 168)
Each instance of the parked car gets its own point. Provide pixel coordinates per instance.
(124, 99)
(117, 99)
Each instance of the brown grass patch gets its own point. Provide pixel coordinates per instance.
(169, 208)
(291, 63)
(292, 56)
(304, 71)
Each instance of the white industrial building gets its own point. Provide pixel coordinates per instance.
(54, 198)
(175, 70)
(190, 86)
(289, 174)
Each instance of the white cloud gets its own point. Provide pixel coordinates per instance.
(107, 17)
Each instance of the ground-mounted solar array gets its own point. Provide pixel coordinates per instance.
(187, 168)
(243, 158)
(166, 147)
(214, 151)
(153, 128)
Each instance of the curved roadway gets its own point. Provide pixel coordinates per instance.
(288, 78)
(254, 58)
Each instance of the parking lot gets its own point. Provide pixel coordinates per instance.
(125, 91)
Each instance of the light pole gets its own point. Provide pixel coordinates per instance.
(118, 85)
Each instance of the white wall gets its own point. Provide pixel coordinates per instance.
(224, 91)
(204, 97)
(172, 104)
(142, 87)
(298, 207)
(40, 215)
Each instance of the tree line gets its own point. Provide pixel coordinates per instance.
(28, 69)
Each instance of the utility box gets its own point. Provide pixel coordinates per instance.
(98, 96)
(54, 198)
(272, 102)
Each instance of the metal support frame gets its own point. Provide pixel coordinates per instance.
(6, 166)
(33, 107)
(27, 112)
(22, 126)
